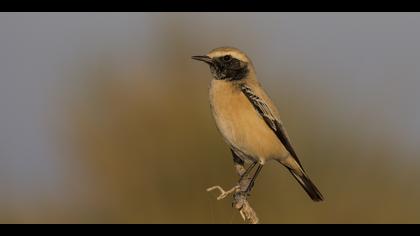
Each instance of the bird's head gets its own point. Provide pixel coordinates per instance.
(227, 63)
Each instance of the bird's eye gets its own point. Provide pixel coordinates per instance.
(227, 58)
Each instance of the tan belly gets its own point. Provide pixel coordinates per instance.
(241, 125)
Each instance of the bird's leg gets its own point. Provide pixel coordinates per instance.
(241, 194)
(251, 184)
(224, 193)
(247, 171)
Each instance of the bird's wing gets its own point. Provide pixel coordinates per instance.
(270, 118)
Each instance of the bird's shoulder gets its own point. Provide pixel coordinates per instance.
(255, 91)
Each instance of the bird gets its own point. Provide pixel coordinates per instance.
(248, 119)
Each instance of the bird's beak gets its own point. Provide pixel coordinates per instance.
(206, 59)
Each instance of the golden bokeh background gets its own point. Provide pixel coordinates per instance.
(105, 118)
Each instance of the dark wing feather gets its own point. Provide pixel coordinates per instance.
(270, 119)
(236, 158)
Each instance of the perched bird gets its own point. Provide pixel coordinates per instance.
(247, 118)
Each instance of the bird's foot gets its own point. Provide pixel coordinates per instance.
(242, 205)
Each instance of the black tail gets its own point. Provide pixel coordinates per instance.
(307, 184)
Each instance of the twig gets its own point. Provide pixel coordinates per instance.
(223, 193)
(240, 201)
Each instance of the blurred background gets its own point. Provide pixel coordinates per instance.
(104, 118)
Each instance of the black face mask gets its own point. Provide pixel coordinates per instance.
(228, 68)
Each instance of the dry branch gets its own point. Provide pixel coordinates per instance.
(240, 201)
